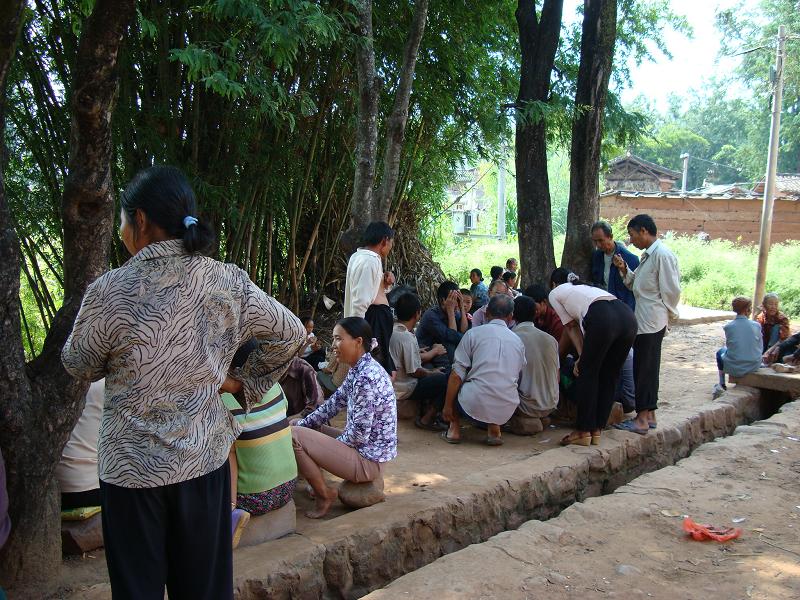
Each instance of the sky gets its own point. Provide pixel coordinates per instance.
(692, 59)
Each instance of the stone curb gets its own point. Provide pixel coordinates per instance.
(526, 555)
(344, 561)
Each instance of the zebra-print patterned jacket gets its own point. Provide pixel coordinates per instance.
(162, 329)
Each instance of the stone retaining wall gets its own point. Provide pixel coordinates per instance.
(368, 548)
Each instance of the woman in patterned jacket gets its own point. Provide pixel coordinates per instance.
(369, 438)
(162, 329)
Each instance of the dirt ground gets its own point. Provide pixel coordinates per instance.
(426, 464)
(630, 544)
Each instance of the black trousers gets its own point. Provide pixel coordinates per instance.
(609, 330)
(70, 500)
(380, 318)
(430, 391)
(176, 535)
(647, 368)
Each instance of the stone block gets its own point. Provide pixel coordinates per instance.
(361, 495)
(78, 537)
(270, 526)
(522, 425)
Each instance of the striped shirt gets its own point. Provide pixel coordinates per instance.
(264, 453)
(163, 329)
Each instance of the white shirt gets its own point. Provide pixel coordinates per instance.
(77, 470)
(404, 348)
(656, 285)
(538, 383)
(571, 302)
(489, 361)
(363, 282)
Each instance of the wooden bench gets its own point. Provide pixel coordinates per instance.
(767, 379)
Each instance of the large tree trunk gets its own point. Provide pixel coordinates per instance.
(396, 126)
(39, 402)
(362, 206)
(538, 40)
(597, 54)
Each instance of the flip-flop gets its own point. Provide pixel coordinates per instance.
(652, 424)
(450, 440)
(494, 441)
(630, 425)
(427, 426)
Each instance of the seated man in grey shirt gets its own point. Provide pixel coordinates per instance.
(485, 376)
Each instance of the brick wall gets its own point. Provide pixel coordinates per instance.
(735, 219)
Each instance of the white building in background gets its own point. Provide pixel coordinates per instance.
(467, 200)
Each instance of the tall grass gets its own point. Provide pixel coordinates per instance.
(712, 273)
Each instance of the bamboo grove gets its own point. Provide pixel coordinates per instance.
(257, 102)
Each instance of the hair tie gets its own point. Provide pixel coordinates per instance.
(189, 221)
(571, 278)
(373, 344)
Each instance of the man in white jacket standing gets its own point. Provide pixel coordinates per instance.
(364, 293)
(656, 287)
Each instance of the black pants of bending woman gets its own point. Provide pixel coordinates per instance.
(609, 329)
(178, 536)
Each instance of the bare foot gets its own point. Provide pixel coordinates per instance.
(323, 504)
(454, 432)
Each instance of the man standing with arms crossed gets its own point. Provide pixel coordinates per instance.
(656, 286)
(365, 283)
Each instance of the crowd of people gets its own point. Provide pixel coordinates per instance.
(209, 398)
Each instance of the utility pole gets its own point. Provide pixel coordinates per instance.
(501, 200)
(772, 166)
(685, 158)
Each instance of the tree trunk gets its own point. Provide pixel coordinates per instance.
(40, 403)
(396, 126)
(597, 54)
(362, 206)
(538, 40)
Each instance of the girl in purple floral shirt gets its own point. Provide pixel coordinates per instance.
(369, 438)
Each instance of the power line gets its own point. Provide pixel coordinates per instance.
(711, 162)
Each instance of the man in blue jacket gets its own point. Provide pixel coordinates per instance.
(604, 274)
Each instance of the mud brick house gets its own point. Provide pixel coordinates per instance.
(729, 211)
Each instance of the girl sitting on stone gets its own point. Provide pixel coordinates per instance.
(369, 438)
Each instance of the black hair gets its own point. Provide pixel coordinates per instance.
(358, 327)
(406, 306)
(500, 306)
(509, 276)
(496, 272)
(376, 232)
(536, 292)
(561, 276)
(465, 292)
(164, 195)
(604, 227)
(477, 272)
(244, 351)
(444, 289)
(510, 262)
(524, 309)
(306, 319)
(643, 222)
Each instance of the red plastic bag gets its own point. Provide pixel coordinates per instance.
(701, 532)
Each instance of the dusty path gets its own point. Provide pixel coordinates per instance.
(630, 544)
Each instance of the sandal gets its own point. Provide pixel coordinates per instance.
(435, 426)
(630, 425)
(494, 441)
(450, 440)
(577, 438)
